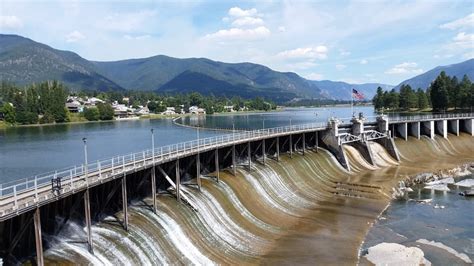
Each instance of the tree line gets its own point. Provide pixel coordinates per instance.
(45, 103)
(444, 92)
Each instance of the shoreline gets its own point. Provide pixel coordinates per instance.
(4, 126)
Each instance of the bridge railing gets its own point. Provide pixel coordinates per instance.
(96, 168)
(430, 117)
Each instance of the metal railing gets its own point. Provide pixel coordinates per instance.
(119, 163)
(429, 117)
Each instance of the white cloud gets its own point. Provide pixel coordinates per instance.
(281, 29)
(405, 68)
(463, 40)
(10, 22)
(239, 34)
(465, 22)
(318, 52)
(75, 36)
(364, 62)
(340, 66)
(247, 21)
(238, 12)
(314, 76)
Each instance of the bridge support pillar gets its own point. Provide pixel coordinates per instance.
(291, 146)
(249, 152)
(125, 202)
(402, 129)
(442, 128)
(153, 187)
(216, 159)
(263, 151)
(178, 181)
(234, 163)
(38, 238)
(304, 142)
(469, 126)
(454, 126)
(198, 170)
(87, 210)
(316, 141)
(415, 129)
(278, 149)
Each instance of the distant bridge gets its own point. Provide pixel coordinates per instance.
(107, 185)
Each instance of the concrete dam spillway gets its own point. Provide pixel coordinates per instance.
(316, 198)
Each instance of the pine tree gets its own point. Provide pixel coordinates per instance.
(439, 92)
(422, 99)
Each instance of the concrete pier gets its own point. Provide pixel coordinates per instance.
(216, 161)
(125, 202)
(198, 170)
(38, 238)
(88, 218)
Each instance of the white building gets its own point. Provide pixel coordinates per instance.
(196, 110)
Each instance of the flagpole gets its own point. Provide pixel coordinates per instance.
(352, 104)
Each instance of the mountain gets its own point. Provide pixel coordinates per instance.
(167, 74)
(23, 61)
(339, 90)
(424, 80)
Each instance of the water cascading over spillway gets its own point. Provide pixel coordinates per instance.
(286, 211)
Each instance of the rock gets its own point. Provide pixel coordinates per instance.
(438, 187)
(466, 183)
(396, 254)
(448, 180)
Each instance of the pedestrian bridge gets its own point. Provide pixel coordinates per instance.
(29, 206)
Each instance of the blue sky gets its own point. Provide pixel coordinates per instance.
(352, 41)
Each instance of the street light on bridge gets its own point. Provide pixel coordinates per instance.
(85, 160)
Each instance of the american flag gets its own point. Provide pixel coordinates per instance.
(357, 95)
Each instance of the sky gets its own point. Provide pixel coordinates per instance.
(351, 41)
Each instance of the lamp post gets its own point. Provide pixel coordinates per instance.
(153, 145)
(85, 160)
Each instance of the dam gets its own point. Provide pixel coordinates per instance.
(90, 193)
